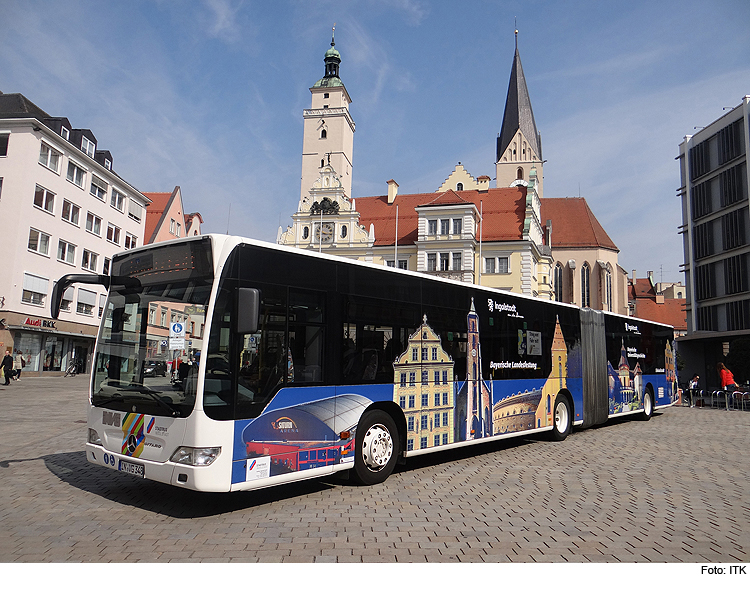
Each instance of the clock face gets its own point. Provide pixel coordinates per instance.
(324, 233)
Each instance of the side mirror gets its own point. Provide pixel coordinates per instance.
(248, 310)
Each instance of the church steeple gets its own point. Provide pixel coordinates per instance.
(519, 145)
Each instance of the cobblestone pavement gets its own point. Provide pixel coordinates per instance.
(673, 489)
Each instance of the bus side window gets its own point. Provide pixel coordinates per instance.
(306, 336)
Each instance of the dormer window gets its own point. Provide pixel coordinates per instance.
(65, 133)
(88, 147)
(107, 164)
(459, 187)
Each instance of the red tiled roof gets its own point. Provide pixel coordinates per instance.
(503, 209)
(159, 202)
(574, 225)
(641, 289)
(672, 311)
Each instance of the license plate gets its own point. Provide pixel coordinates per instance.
(131, 468)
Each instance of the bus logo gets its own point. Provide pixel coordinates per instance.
(111, 418)
(285, 425)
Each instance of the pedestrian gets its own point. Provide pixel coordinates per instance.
(693, 389)
(726, 379)
(7, 366)
(19, 363)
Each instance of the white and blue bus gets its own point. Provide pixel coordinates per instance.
(301, 364)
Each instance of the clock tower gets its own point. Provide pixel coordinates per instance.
(328, 138)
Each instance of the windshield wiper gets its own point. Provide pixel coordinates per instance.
(163, 403)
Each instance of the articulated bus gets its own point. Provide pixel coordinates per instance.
(303, 364)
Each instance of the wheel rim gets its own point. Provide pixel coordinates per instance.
(647, 403)
(561, 417)
(377, 447)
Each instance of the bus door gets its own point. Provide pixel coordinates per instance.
(594, 358)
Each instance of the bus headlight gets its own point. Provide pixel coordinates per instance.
(94, 437)
(195, 456)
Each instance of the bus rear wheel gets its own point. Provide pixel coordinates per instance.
(562, 418)
(648, 404)
(377, 448)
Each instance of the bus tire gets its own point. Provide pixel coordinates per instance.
(376, 447)
(562, 418)
(648, 404)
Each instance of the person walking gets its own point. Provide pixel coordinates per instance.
(726, 379)
(19, 363)
(7, 365)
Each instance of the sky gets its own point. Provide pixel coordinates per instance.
(208, 95)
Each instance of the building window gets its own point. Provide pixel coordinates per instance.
(411, 425)
(432, 227)
(503, 265)
(94, 224)
(519, 174)
(88, 147)
(457, 226)
(402, 401)
(412, 379)
(435, 358)
(424, 353)
(113, 234)
(76, 174)
(105, 268)
(423, 442)
(459, 186)
(179, 230)
(86, 302)
(456, 261)
(425, 381)
(117, 200)
(65, 133)
(49, 157)
(39, 241)
(444, 261)
(445, 438)
(89, 260)
(44, 199)
(66, 252)
(489, 265)
(152, 315)
(130, 241)
(585, 286)
(445, 402)
(4, 144)
(403, 379)
(163, 317)
(437, 399)
(608, 289)
(410, 443)
(323, 134)
(34, 289)
(325, 95)
(445, 226)
(436, 440)
(98, 187)
(432, 262)
(445, 376)
(305, 233)
(557, 282)
(423, 426)
(411, 401)
(414, 354)
(172, 224)
(67, 299)
(70, 212)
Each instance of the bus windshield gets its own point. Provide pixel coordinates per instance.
(150, 339)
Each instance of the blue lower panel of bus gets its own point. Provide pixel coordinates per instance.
(301, 428)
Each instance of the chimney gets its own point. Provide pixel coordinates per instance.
(484, 183)
(633, 276)
(392, 191)
(650, 277)
(659, 298)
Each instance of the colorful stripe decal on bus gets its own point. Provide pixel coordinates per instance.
(133, 435)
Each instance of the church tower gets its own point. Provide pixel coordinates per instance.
(328, 128)
(519, 145)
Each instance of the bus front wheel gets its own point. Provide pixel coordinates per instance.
(377, 447)
(562, 418)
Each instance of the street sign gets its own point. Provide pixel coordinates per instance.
(177, 335)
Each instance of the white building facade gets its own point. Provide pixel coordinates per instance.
(63, 211)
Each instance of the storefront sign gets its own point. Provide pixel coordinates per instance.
(40, 323)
